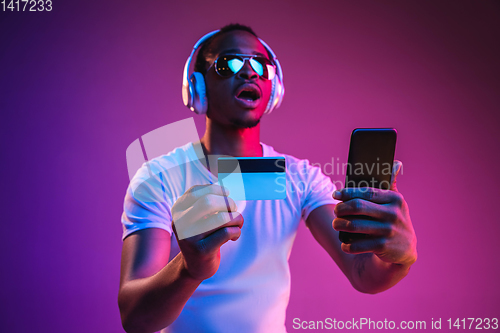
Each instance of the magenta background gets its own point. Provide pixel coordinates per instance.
(80, 83)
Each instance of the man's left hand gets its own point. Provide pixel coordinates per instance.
(381, 214)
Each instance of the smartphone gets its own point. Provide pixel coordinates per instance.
(371, 156)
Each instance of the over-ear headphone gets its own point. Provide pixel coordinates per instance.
(194, 93)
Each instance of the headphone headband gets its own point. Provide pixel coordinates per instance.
(187, 97)
(193, 87)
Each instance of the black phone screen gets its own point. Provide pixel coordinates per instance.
(371, 156)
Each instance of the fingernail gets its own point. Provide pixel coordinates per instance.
(337, 195)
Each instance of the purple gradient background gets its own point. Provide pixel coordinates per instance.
(80, 83)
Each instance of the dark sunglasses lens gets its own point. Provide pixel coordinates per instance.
(264, 67)
(228, 65)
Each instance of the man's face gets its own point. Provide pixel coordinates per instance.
(228, 101)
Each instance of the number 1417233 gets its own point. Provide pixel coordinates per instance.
(26, 5)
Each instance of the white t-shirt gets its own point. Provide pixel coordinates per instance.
(250, 291)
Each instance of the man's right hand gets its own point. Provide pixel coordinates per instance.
(202, 223)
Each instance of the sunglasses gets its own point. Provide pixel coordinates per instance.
(230, 64)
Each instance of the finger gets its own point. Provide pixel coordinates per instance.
(189, 228)
(362, 226)
(221, 236)
(347, 237)
(396, 167)
(230, 231)
(366, 193)
(212, 224)
(362, 207)
(206, 206)
(198, 191)
(222, 220)
(367, 245)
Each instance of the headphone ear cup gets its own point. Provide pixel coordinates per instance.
(279, 92)
(198, 92)
(276, 97)
(270, 104)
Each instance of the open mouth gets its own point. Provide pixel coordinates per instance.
(248, 93)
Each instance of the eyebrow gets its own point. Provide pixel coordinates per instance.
(238, 51)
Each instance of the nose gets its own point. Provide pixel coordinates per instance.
(247, 72)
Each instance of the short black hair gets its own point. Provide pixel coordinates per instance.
(201, 58)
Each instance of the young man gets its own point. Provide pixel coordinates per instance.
(204, 283)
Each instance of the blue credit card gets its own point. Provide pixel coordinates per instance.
(253, 178)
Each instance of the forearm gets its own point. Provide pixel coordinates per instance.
(369, 274)
(152, 303)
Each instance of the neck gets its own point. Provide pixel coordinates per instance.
(227, 140)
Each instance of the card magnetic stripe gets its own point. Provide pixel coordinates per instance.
(253, 178)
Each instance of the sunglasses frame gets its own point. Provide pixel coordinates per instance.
(244, 57)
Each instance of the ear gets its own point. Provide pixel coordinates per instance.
(396, 167)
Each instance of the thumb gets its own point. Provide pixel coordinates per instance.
(396, 167)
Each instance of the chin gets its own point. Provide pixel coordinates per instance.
(244, 123)
(246, 118)
(235, 116)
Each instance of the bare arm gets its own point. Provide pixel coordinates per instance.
(153, 291)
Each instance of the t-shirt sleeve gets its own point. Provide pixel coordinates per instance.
(319, 190)
(146, 203)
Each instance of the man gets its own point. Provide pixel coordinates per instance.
(204, 283)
